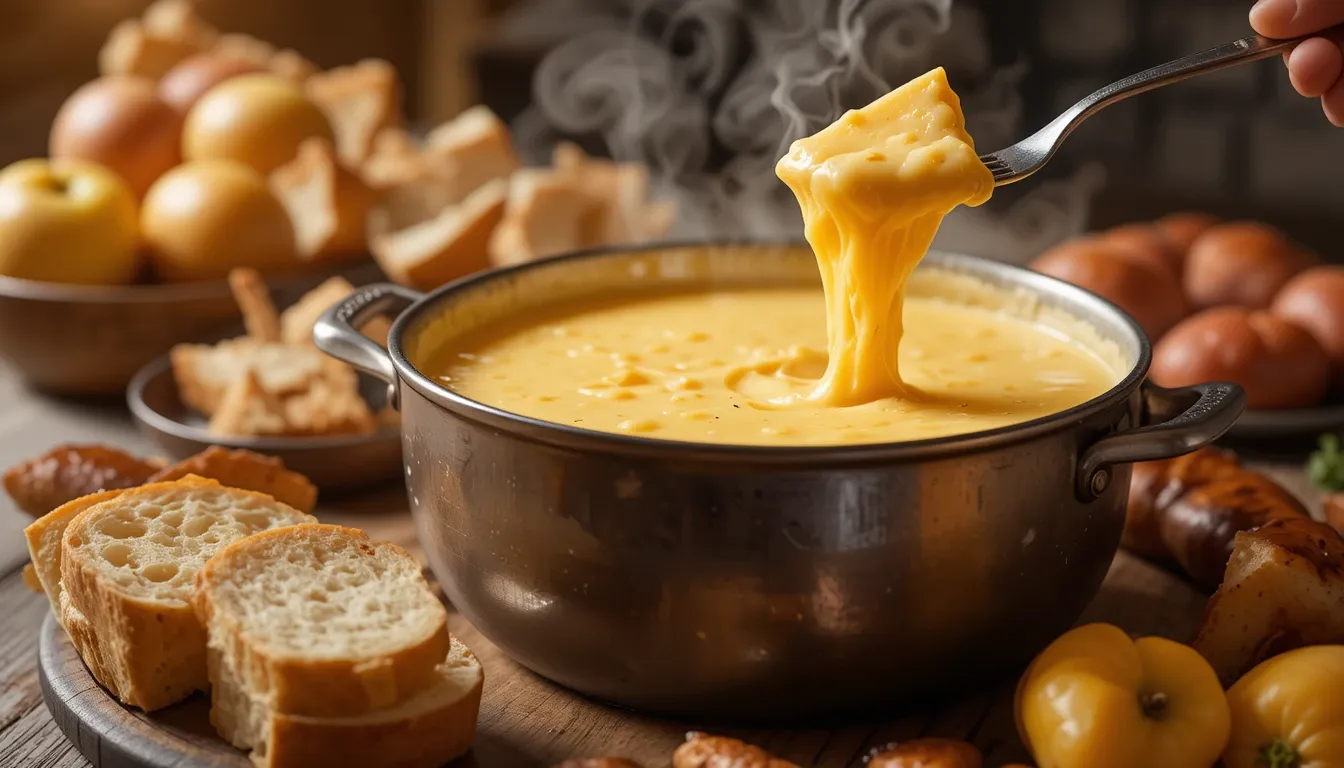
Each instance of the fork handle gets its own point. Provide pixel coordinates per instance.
(1246, 49)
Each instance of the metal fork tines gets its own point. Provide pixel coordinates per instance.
(1024, 158)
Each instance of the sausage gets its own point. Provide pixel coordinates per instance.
(1186, 511)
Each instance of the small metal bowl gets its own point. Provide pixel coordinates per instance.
(88, 340)
(343, 462)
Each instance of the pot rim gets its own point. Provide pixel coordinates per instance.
(592, 441)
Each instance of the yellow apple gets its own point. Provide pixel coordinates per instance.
(258, 120)
(67, 221)
(203, 218)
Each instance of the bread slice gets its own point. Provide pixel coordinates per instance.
(128, 567)
(319, 621)
(250, 471)
(44, 542)
(545, 215)
(477, 144)
(453, 244)
(433, 727)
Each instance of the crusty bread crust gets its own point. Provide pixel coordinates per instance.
(423, 739)
(304, 685)
(44, 542)
(149, 653)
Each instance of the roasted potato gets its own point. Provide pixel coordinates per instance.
(1284, 588)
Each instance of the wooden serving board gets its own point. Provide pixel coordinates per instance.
(527, 722)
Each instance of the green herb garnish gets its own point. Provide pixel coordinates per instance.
(1325, 466)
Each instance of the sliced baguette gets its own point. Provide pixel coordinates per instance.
(128, 567)
(44, 543)
(431, 728)
(320, 621)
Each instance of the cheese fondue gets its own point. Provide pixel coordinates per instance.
(874, 186)
(858, 362)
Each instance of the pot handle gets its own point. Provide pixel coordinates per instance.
(337, 331)
(1187, 419)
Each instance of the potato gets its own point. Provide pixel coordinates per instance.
(1142, 288)
(1283, 589)
(1241, 263)
(1278, 364)
(1314, 300)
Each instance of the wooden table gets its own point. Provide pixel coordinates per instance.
(524, 720)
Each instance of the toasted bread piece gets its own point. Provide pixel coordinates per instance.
(169, 32)
(330, 406)
(286, 63)
(360, 100)
(317, 620)
(479, 147)
(128, 567)
(701, 750)
(297, 321)
(204, 373)
(246, 47)
(248, 410)
(433, 727)
(394, 159)
(327, 203)
(451, 245)
(544, 216)
(44, 543)
(292, 66)
(254, 301)
(1284, 588)
(622, 211)
(67, 472)
(246, 470)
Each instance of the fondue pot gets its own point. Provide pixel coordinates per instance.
(752, 583)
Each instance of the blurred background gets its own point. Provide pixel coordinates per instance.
(707, 92)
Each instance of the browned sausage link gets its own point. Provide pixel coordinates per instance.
(1199, 527)
(705, 751)
(1186, 511)
(928, 753)
(68, 472)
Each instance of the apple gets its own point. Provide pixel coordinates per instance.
(121, 123)
(187, 82)
(205, 217)
(258, 120)
(67, 221)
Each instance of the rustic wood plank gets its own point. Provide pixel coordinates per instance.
(28, 736)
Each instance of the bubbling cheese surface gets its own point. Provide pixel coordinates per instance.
(873, 187)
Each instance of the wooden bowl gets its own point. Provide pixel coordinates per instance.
(90, 340)
(339, 462)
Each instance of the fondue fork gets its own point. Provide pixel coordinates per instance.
(1027, 156)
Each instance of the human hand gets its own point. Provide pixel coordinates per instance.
(1315, 65)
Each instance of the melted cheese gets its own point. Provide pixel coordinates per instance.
(854, 363)
(873, 188)
(714, 366)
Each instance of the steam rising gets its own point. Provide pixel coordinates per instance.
(709, 94)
